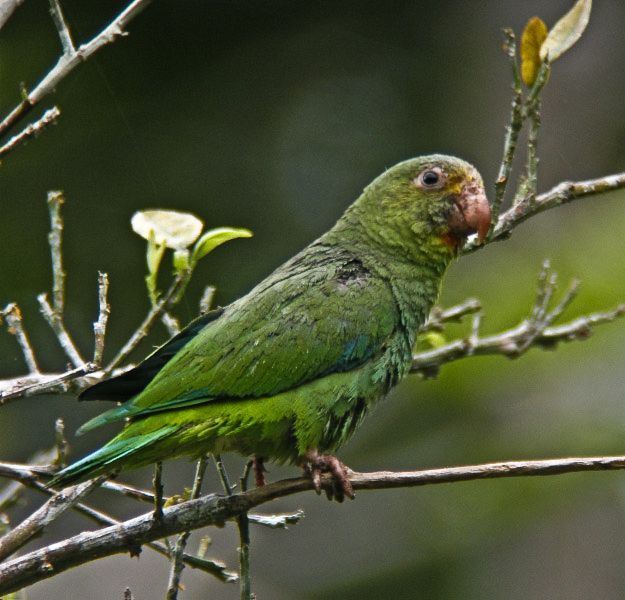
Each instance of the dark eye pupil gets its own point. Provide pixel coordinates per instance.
(430, 178)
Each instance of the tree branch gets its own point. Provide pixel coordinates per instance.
(562, 193)
(13, 316)
(70, 58)
(32, 130)
(530, 206)
(45, 516)
(6, 10)
(214, 510)
(27, 476)
(535, 331)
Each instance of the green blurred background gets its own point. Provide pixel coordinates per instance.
(273, 115)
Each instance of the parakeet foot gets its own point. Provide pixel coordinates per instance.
(259, 471)
(323, 463)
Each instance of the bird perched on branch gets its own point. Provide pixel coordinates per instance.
(288, 371)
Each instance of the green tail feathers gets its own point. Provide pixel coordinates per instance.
(115, 414)
(106, 458)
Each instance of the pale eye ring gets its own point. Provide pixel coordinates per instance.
(432, 179)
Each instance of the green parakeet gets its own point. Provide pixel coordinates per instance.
(288, 371)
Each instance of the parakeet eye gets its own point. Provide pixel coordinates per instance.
(431, 178)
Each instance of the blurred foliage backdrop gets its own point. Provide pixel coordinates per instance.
(273, 115)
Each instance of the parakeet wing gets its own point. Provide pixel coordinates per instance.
(130, 383)
(310, 319)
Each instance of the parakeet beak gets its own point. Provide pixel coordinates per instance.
(471, 213)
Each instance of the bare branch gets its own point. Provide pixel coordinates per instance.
(155, 313)
(28, 476)
(560, 194)
(70, 59)
(32, 130)
(171, 324)
(62, 28)
(212, 510)
(207, 299)
(530, 206)
(6, 10)
(536, 330)
(13, 490)
(55, 238)
(99, 327)
(439, 317)
(41, 383)
(513, 342)
(58, 327)
(512, 131)
(45, 516)
(13, 316)
(176, 556)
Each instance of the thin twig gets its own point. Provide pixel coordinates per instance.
(439, 317)
(58, 326)
(55, 239)
(244, 532)
(211, 510)
(223, 475)
(158, 491)
(27, 476)
(31, 130)
(62, 28)
(536, 330)
(10, 494)
(155, 312)
(69, 60)
(41, 383)
(243, 525)
(512, 343)
(173, 585)
(99, 327)
(6, 10)
(13, 316)
(512, 131)
(171, 324)
(207, 299)
(564, 192)
(45, 516)
(528, 184)
(61, 444)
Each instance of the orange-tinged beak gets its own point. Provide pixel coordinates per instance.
(472, 212)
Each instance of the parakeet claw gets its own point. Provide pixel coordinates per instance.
(324, 463)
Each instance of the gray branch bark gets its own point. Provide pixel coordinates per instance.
(215, 510)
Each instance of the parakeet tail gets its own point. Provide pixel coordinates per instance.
(106, 458)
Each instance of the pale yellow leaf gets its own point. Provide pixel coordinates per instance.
(566, 31)
(171, 228)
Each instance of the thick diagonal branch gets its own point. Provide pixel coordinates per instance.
(213, 510)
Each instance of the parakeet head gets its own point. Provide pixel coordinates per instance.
(431, 203)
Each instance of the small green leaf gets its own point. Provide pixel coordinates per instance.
(153, 258)
(181, 260)
(215, 237)
(154, 254)
(434, 339)
(566, 31)
(531, 42)
(172, 228)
